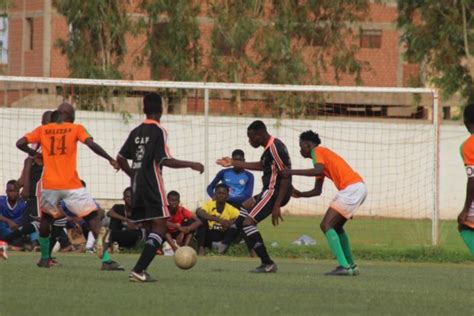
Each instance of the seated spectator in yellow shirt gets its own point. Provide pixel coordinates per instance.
(217, 216)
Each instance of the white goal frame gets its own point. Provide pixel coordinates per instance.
(208, 86)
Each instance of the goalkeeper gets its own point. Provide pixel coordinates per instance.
(352, 193)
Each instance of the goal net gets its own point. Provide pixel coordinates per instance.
(388, 135)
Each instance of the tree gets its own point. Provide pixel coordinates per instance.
(96, 45)
(302, 39)
(235, 26)
(172, 46)
(440, 36)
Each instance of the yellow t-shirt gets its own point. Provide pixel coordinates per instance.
(229, 213)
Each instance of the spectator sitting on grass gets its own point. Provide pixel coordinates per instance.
(181, 225)
(217, 216)
(120, 220)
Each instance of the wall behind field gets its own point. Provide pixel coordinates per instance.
(395, 159)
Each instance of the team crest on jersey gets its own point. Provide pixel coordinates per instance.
(241, 181)
(470, 171)
(140, 153)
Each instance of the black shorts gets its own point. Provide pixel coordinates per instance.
(148, 205)
(264, 204)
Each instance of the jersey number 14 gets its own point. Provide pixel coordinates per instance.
(57, 145)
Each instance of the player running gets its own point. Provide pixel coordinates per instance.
(466, 217)
(351, 195)
(276, 191)
(147, 147)
(60, 180)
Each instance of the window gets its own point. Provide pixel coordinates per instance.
(29, 34)
(371, 38)
(3, 39)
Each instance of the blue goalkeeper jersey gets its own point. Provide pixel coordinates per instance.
(240, 185)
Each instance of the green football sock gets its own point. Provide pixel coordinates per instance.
(106, 256)
(335, 245)
(346, 248)
(44, 245)
(468, 237)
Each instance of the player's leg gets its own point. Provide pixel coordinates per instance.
(261, 210)
(235, 231)
(346, 247)
(153, 243)
(331, 220)
(467, 235)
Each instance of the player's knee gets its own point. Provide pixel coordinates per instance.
(89, 217)
(248, 222)
(325, 226)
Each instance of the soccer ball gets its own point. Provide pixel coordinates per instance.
(185, 257)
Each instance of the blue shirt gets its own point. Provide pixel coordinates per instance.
(14, 213)
(240, 185)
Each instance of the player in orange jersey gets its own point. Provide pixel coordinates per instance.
(60, 180)
(352, 193)
(466, 217)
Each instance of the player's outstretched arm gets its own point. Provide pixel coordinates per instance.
(229, 162)
(316, 191)
(22, 144)
(123, 163)
(24, 180)
(313, 172)
(98, 150)
(179, 164)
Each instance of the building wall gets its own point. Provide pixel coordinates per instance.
(387, 68)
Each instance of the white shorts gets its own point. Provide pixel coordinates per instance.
(347, 201)
(78, 201)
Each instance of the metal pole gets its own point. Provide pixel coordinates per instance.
(206, 141)
(435, 217)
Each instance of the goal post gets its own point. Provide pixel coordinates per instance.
(397, 153)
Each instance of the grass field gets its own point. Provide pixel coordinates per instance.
(379, 239)
(222, 285)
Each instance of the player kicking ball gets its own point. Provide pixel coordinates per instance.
(147, 148)
(351, 195)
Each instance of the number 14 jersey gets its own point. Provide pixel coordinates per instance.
(59, 147)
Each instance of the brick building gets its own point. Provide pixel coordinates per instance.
(31, 29)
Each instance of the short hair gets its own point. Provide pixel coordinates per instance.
(310, 136)
(13, 182)
(127, 189)
(469, 113)
(238, 152)
(55, 116)
(222, 185)
(152, 103)
(173, 193)
(257, 126)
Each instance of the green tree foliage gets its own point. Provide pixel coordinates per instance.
(440, 35)
(96, 45)
(235, 26)
(172, 47)
(302, 39)
(172, 32)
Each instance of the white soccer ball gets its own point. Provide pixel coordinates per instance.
(185, 257)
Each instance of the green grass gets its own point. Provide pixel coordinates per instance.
(380, 239)
(222, 286)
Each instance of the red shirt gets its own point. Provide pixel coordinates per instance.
(178, 218)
